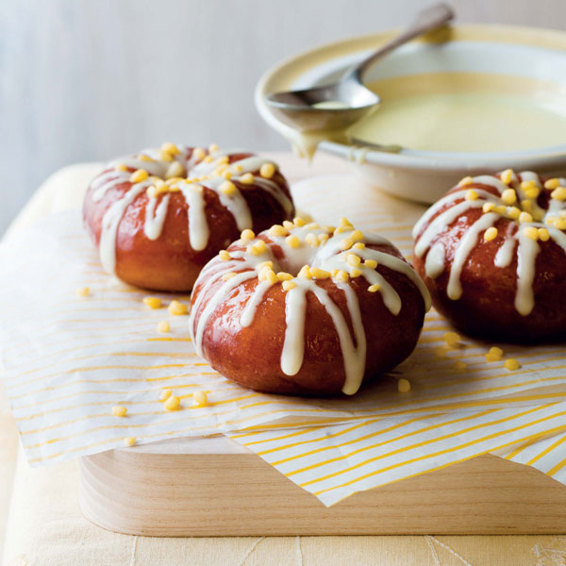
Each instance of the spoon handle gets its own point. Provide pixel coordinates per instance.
(429, 19)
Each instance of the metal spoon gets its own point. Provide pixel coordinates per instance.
(337, 106)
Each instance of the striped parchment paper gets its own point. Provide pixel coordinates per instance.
(67, 360)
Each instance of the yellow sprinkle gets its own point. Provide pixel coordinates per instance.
(312, 240)
(292, 241)
(267, 170)
(560, 223)
(559, 193)
(198, 153)
(278, 231)
(284, 276)
(512, 364)
(170, 148)
(543, 234)
(500, 210)
(472, 195)
(257, 249)
(453, 339)
(227, 175)
(298, 221)
(494, 354)
(163, 327)
(165, 156)
(371, 263)
(139, 176)
(488, 207)
(374, 288)
(509, 196)
(345, 223)
(174, 171)
(83, 291)
(531, 232)
(403, 385)
(552, 184)
(119, 411)
(513, 212)
(121, 167)
(152, 302)
(460, 365)
(130, 440)
(533, 192)
(224, 255)
(318, 273)
(172, 403)
(288, 285)
(359, 246)
(305, 272)
(228, 188)
(353, 260)
(355, 272)
(287, 224)
(507, 176)
(177, 308)
(208, 159)
(200, 399)
(342, 276)
(247, 235)
(228, 276)
(465, 181)
(357, 235)
(490, 234)
(526, 185)
(527, 205)
(525, 217)
(263, 264)
(312, 226)
(322, 238)
(213, 148)
(165, 394)
(247, 179)
(238, 168)
(144, 157)
(346, 244)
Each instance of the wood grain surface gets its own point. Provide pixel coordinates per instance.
(214, 487)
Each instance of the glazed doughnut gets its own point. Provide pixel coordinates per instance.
(307, 309)
(157, 217)
(492, 252)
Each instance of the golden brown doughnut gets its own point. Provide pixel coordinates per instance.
(159, 216)
(307, 309)
(493, 254)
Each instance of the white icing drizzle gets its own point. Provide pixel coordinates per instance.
(294, 345)
(504, 255)
(465, 246)
(526, 257)
(156, 209)
(249, 312)
(105, 182)
(329, 257)
(199, 232)
(434, 263)
(515, 241)
(153, 225)
(110, 222)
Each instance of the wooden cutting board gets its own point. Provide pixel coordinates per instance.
(215, 487)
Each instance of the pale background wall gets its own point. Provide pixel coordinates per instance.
(92, 79)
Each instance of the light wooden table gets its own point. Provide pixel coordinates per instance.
(45, 525)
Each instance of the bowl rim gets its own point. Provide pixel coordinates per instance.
(421, 160)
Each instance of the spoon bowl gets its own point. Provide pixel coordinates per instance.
(339, 105)
(333, 107)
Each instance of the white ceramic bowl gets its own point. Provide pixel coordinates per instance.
(535, 54)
